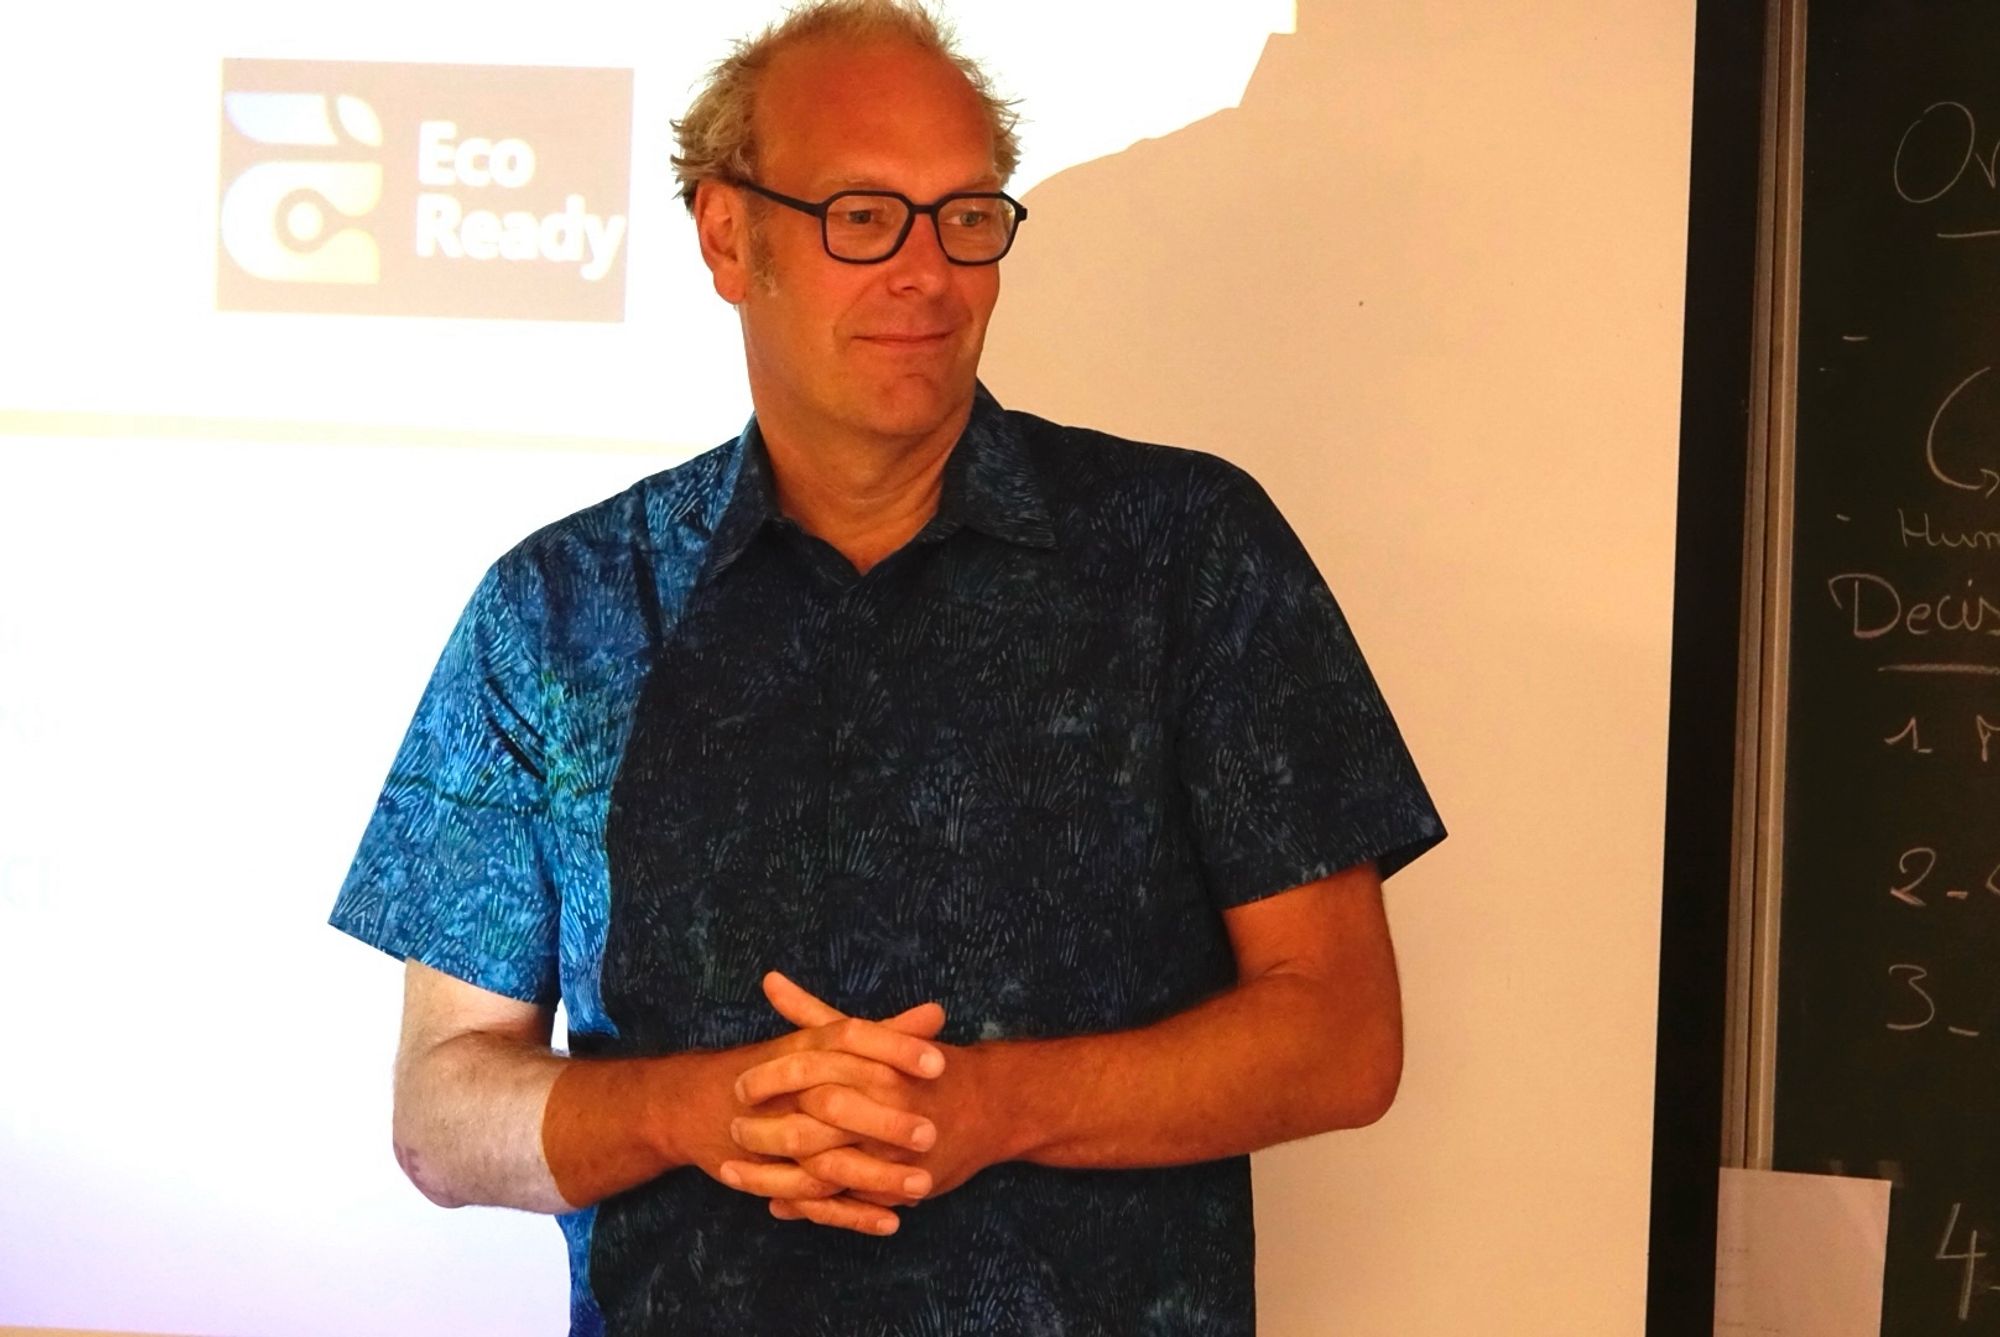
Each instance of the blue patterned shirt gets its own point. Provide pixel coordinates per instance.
(1020, 767)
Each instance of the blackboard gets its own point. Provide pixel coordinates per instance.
(1888, 996)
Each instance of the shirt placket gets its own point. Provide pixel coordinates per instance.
(844, 675)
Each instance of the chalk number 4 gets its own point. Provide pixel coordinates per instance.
(1970, 1256)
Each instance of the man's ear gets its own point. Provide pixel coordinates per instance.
(723, 227)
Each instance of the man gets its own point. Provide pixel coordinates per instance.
(956, 840)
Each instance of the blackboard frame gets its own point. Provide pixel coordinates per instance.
(1723, 332)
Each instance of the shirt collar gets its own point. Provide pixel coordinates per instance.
(990, 484)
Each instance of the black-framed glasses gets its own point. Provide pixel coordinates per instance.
(865, 227)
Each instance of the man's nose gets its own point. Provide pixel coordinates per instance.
(921, 264)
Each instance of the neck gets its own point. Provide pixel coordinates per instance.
(866, 495)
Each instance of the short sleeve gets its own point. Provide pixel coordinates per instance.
(1291, 763)
(450, 871)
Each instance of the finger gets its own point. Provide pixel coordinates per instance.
(796, 1005)
(845, 1213)
(844, 1108)
(881, 1199)
(803, 1009)
(792, 1136)
(924, 1021)
(871, 1039)
(803, 1069)
(775, 1179)
(853, 1169)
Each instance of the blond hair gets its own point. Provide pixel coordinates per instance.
(715, 137)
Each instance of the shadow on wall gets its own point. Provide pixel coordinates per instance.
(1201, 289)
(1424, 284)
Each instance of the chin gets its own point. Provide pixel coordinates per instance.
(915, 405)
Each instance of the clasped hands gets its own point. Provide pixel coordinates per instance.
(849, 1119)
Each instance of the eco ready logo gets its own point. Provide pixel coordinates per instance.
(432, 190)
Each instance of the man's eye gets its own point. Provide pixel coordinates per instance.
(971, 218)
(858, 217)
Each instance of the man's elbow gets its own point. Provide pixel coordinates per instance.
(1375, 1088)
(1366, 1086)
(413, 1134)
(423, 1174)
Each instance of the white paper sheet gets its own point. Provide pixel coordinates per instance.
(1800, 1255)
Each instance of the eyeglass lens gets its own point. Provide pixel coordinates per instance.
(971, 228)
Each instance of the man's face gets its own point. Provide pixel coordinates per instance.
(886, 350)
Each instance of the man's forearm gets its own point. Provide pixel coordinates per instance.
(486, 1112)
(486, 1119)
(1278, 1057)
(1309, 1040)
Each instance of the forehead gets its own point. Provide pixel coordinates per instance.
(880, 112)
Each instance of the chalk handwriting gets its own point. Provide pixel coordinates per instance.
(1876, 607)
(1922, 854)
(1917, 863)
(1970, 1256)
(1978, 728)
(1922, 533)
(1909, 731)
(1989, 478)
(1924, 169)
(1912, 975)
